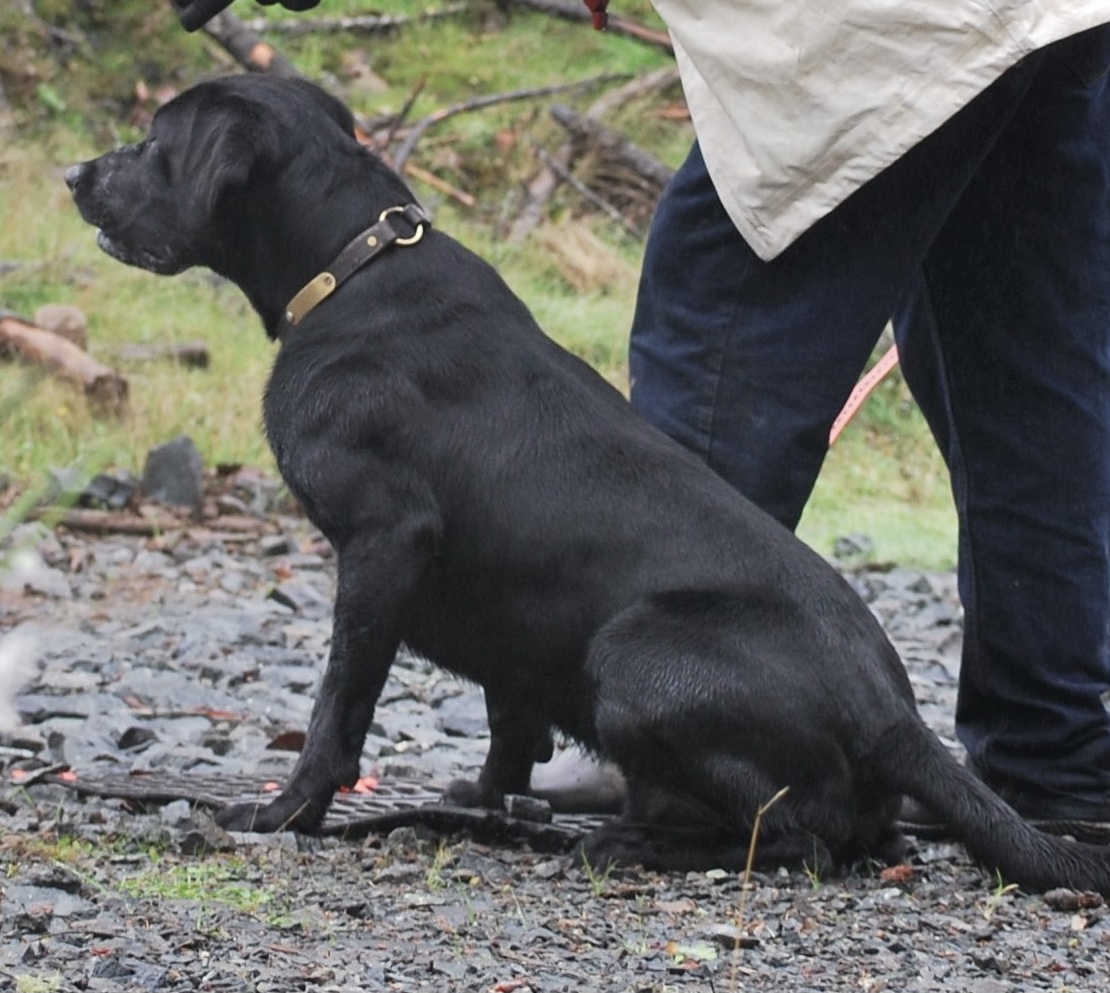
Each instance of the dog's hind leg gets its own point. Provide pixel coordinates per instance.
(694, 697)
(517, 741)
(664, 831)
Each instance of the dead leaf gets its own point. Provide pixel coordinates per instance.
(902, 873)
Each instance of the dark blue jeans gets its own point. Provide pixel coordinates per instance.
(989, 246)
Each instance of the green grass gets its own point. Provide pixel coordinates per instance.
(884, 478)
(215, 879)
(47, 422)
(578, 273)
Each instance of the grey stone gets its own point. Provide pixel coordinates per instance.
(174, 474)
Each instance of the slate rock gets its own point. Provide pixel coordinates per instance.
(173, 474)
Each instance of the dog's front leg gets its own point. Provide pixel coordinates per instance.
(377, 580)
(517, 741)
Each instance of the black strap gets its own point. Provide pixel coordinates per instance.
(359, 252)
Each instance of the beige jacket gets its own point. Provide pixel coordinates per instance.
(797, 103)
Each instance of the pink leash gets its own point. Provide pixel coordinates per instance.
(875, 375)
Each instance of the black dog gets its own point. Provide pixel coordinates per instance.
(494, 504)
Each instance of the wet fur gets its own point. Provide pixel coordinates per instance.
(497, 506)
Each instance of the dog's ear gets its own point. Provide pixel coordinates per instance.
(223, 154)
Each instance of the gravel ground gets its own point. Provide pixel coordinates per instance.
(196, 651)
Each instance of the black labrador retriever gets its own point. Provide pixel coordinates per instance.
(500, 509)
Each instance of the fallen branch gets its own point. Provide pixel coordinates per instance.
(402, 115)
(147, 524)
(543, 185)
(573, 10)
(191, 354)
(365, 23)
(105, 388)
(540, 190)
(584, 191)
(432, 180)
(635, 89)
(491, 100)
(247, 47)
(614, 144)
(107, 521)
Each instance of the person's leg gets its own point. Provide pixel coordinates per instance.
(1006, 344)
(747, 362)
(732, 356)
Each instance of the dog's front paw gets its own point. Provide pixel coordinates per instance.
(286, 813)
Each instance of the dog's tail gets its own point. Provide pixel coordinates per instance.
(995, 835)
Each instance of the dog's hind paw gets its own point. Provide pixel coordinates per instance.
(664, 848)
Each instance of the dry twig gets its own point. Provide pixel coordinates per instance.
(492, 100)
(363, 23)
(572, 10)
(247, 48)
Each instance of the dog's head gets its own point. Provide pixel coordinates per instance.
(159, 203)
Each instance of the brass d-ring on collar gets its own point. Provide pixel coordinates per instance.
(418, 224)
(359, 252)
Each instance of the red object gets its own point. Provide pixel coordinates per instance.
(902, 873)
(597, 8)
(863, 390)
(367, 784)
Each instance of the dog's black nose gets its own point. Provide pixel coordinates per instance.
(73, 174)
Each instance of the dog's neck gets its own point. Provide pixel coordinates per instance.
(278, 247)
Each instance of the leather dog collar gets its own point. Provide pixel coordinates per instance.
(363, 249)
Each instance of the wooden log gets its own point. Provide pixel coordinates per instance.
(555, 166)
(247, 47)
(590, 195)
(191, 354)
(63, 319)
(105, 389)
